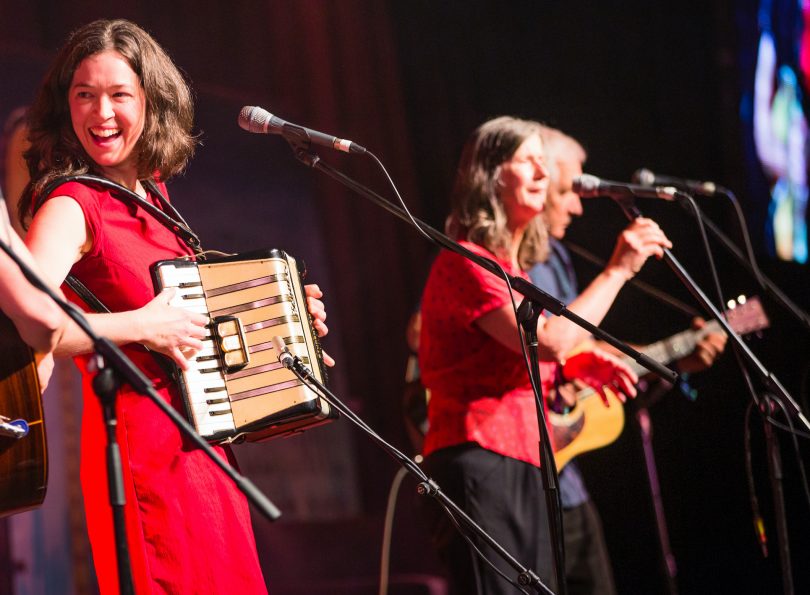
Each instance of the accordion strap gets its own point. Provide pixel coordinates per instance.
(172, 220)
(95, 304)
(87, 296)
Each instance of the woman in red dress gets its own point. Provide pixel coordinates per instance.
(113, 104)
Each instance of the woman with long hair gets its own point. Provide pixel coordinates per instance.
(482, 441)
(114, 105)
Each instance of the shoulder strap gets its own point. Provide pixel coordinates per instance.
(85, 294)
(176, 225)
(98, 306)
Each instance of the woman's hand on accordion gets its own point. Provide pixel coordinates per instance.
(172, 331)
(318, 312)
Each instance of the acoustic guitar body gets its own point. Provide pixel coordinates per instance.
(23, 461)
(590, 425)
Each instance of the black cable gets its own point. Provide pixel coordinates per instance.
(759, 525)
(743, 226)
(688, 199)
(796, 450)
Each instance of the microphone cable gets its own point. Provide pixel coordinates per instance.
(388, 528)
(763, 404)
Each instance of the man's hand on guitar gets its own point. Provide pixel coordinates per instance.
(602, 371)
(706, 351)
(318, 312)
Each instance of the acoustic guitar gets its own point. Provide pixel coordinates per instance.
(591, 425)
(23, 457)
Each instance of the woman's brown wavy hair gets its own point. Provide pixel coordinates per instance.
(166, 143)
(477, 213)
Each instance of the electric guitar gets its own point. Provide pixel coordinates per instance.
(591, 425)
(23, 451)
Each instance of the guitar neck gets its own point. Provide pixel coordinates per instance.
(745, 318)
(672, 348)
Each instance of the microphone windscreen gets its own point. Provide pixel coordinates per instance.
(586, 185)
(644, 177)
(254, 119)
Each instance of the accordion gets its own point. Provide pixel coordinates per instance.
(235, 388)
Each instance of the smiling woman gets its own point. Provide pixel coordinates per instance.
(523, 184)
(108, 109)
(114, 105)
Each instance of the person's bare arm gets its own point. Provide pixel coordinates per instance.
(37, 318)
(58, 237)
(640, 240)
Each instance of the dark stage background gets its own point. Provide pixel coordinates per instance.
(638, 83)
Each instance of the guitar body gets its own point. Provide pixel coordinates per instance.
(23, 461)
(590, 425)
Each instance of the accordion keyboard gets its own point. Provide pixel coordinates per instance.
(204, 380)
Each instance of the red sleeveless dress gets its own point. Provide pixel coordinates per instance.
(188, 527)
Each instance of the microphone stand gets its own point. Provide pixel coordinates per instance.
(774, 391)
(529, 291)
(114, 367)
(300, 143)
(764, 282)
(770, 381)
(426, 486)
(528, 316)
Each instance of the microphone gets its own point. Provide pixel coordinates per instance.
(285, 358)
(260, 121)
(588, 186)
(645, 177)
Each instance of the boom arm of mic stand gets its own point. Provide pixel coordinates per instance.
(529, 290)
